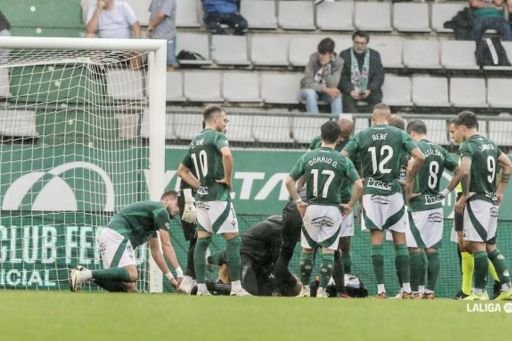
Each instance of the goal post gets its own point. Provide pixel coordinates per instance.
(73, 150)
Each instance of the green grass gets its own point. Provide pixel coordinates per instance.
(103, 316)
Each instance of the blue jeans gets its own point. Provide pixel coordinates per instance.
(481, 24)
(311, 97)
(171, 52)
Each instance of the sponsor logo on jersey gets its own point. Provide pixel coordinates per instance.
(373, 183)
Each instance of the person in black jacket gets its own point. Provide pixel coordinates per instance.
(362, 75)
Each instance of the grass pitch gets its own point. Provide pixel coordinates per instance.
(104, 316)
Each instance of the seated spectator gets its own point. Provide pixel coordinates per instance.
(321, 77)
(363, 75)
(114, 19)
(488, 14)
(218, 12)
(162, 25)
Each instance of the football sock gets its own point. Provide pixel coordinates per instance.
(115, 274)
(233, 258)
(236, 286)
(326, 269)
(424, 263)
(378, 262)
(481, 269)
(199, 261)
(337, 272)
(416, 260)
(347, 263)
(402, 263)
(110, 285)
(434, 266)
(217, 258)
(492, 270)
(468, 264)
(306, 266)
(500, 266)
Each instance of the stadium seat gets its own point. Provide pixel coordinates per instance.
(442, 12)
(186, 126)
(125, 84)
(411, 17)
(272, 129)
(421, 54)
(301, 47)
(396, 90)
(169, 126)
(468, 92)
(174, 90)
(269, 49)
(259, 13)
(390, 50)
(430, 91)
(141, 9)
(343, 42)
(304, 129)
(437, 131)
(194, 42)
(187, 14)
(240, 128)
(335, 16)
(507, 45)
(203, 86)
(499, 132)
(373, 16)
(20, 123)
(296, 15)
(498, 92)
(280, 88)
(4, 82)
(360, 124)
(458, 54)
(230, 50)
(241, 86)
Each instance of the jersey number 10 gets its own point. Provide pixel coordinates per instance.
(202, 168)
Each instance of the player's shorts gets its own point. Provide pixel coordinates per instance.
(409, 242)
(425, 228)
(216, 217)
(322, 226)
(384, 212)
(480, 221)
(347, 226)
(115, 250)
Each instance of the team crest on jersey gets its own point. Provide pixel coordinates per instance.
(203, 190)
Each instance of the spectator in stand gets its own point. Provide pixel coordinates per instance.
(218, 12)
(363, 75)
(162, 25)
(488, 14)
(321, 77)
(114, 19)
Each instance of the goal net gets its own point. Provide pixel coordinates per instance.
(72, 151)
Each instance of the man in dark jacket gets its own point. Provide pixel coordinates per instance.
(217, 12)
(363, 75)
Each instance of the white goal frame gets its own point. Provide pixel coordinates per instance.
(157, 61)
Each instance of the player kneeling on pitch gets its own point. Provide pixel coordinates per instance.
(129, 228)
(325, 172)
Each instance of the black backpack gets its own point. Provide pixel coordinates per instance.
(490, 52)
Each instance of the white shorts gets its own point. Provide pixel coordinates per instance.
(408, 237)
(321, 227)
(115, 250)
(480, 221)
(347, 226)
(425, 228)
(383, 212)
(216, 217)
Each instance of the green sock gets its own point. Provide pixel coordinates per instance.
(199, 261)
(218, 258)
(347, 263)
(402, 262)
(233, 258)
(424, 267)
(481, 269)
(326, 269)
(416, 261)
(110, 285)
(114, 274)
(500, 266)
(378, 262)
(306, 266)
(434, 266)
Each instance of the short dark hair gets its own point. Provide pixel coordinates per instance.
(397, 122)
(362, 34)
(169, 193)
(330, 132)
(466, 118)
(418, 126)
(211, 110)
(326, 45)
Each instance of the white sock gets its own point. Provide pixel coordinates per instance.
(187, 279)
(505, 287)
(477, 291)
(406, 287)
(201, 287)
(236, 286)
(380, 289)
(85, 275)
(421, 288)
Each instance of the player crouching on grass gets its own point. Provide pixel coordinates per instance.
(129, 228)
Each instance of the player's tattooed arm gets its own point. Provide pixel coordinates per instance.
(465, 174)
(418, 158)
(227, 160)
(186, 175)
(506, 170)
(291, 186)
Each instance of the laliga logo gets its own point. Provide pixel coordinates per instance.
(56, 194)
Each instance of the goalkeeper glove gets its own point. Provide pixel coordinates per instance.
(189, 212)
